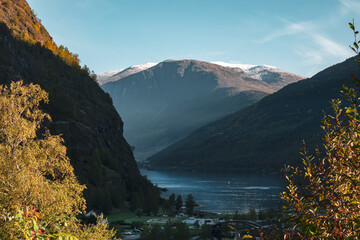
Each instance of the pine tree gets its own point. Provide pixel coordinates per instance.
(190, 204)
(179, 203)
(171, 204)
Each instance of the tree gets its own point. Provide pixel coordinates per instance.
(138, 212)
(181, 232)
(168, 230)
(171, 204)
(153, 232)
(252, 214)
(135, 202)
(117, 193)
(197, 224)
(190, 204)
(178, 203)
(206, 232)
(152, 205)
(323, 197)
(35, 173)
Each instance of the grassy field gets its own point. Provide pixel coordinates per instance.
(127, 217)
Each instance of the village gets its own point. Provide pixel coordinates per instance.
(200, 225)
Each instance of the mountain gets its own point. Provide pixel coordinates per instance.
(162, 104)
(264, 136)
(103, 77)
(269, 74)
(81, 112)
(118, 74)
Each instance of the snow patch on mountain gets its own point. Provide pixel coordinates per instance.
(143, 66)
(111, 73)
(248, 68)
(118, 74)
(265, 73)
(101, 78)
(235, 65)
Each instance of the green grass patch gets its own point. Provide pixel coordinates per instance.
(128, 217)
(120, 217)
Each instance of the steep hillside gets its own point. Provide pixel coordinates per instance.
(266, 135)
(164, 103)
(80, 110)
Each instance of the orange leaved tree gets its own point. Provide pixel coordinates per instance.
(39, 193)
(323, 197)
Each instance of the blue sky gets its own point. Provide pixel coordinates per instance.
(303, 36)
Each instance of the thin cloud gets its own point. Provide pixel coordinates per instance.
(330, 47)
(349, 6)
(290, 29)
(310, 57)
(325, 45)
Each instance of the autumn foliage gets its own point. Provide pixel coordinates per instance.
(323, 197)
(39, 193)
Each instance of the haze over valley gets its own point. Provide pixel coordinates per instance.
(162, 103)
(179, 120)
(266, 135)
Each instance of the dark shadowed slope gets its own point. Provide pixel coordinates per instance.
(164, 103)
(80, 110)
(264, 136)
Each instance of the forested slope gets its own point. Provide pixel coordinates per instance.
(266, 135)
(80, 110)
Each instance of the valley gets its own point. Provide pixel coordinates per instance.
(179, 120)
(163, 103)
(265, 136)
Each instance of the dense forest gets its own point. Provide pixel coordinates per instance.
(81, 112)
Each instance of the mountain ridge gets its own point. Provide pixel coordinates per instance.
(250, 69)
(115, 75)
(264, 136)
(172, 98)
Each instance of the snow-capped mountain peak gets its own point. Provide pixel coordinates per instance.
(264, 73)
(142, 67)
(235, 65)
(244, 67)
(118, 74)
(101, 78)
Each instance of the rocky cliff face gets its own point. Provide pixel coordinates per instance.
(266, 135)
(80, 110)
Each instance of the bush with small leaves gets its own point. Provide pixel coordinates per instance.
(323, 196)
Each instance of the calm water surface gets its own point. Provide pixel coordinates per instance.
(221, 193)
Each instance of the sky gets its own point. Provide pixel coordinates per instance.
(302, 37)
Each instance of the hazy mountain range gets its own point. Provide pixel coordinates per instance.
(264, 73)
(265, 136)
(162, 103)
